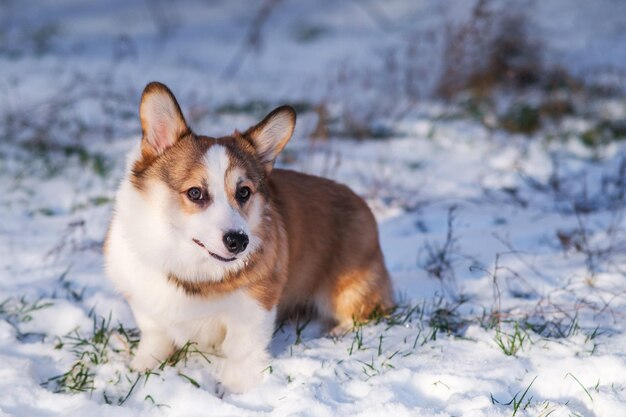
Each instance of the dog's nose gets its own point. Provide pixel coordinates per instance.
(235, 242)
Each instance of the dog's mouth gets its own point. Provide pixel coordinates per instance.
(215, 255)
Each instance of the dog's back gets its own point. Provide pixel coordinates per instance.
(335, 260)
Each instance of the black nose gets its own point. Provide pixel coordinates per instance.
(236, 242)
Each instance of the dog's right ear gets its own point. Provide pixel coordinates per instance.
(162, 122)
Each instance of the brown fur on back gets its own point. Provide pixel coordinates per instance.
(334, 253)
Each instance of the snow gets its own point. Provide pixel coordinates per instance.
(520, 252)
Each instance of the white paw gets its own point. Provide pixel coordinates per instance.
(153, 349)
(239, 376)
(239, 381)
(142, 362)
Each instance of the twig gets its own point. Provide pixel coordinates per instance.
(252, 40)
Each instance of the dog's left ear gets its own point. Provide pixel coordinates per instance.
(270, 136)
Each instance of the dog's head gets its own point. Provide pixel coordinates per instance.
(200, 205)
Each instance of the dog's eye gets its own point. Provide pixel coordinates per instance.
(243, 194)
(195, 194)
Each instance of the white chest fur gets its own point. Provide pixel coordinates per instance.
(235, 325)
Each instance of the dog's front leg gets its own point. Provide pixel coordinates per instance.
(154, 346)
(245, 351)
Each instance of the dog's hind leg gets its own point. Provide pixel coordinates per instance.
(355, 296)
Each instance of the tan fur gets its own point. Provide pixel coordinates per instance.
(334, 254)
(319, 239)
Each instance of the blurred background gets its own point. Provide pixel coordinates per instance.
(359, 67)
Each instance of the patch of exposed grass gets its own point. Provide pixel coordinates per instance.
(515, 402)
(56, 156)
(438, 259)
(511, 343)
(581, 385)
(183, 354)
(79, 378)
(553, 328)
(521, 118)
(91, 351)
(109, 344)
(17, 311)
(603, 133)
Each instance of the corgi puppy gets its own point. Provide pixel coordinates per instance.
(209, 243)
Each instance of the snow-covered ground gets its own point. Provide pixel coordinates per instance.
(507, 251)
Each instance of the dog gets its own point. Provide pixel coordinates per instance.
(209, 243)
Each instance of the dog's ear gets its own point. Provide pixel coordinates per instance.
(270, 136)
(162, 122)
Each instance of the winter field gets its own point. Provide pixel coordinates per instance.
(487, 138)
